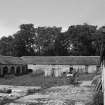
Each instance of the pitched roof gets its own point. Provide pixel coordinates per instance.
(11, 60)
(67, 60)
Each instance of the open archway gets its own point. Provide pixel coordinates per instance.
(12, 70)
(18, 70)
(5, 70)
(0, 72)
(23, 69)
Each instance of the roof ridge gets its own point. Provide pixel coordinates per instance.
(59, 56)
(61, 60)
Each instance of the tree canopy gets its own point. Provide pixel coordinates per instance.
(79, 40)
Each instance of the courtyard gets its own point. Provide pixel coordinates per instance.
(39, 90)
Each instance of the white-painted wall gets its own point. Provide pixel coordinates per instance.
(92, 68)
(81, 68)
(59, 69)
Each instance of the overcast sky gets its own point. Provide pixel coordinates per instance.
(49, 13)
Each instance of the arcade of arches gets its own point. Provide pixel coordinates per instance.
(12, 69)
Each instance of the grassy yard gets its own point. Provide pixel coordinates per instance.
(86, 77)
(32, 80)
(35, 80)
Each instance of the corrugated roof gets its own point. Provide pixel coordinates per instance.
(11, 60)
(68, 60)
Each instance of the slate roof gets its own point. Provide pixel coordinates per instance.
(11, 60)
(66, 60)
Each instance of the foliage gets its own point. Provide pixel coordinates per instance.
(6, 46)
(79, 37)
(84, 40)
(23, 40)
(38, 72)
(45, 40)
(98, 98)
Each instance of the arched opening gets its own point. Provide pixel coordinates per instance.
(18, 70)
(0, 72)
(23, 69)
(5, 70)
(12, 70)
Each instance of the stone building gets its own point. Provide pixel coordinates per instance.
(60, 64)
(12, 65)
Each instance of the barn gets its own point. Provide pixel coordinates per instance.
(12, 65)
(60, 64)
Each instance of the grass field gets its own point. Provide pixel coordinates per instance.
(86, 77)
(39, 80)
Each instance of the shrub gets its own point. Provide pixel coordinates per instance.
(95, 79)
(98, 98)
(5, 91)
(5, 101)
(38, 72)
(30, 70)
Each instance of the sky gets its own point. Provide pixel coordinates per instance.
(61, 13)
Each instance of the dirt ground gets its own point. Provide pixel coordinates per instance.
(55, 91)
(59, 95)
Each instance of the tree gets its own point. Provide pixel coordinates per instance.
(24, 40)
(79, 37)
(45, 40)
(60, 45)
(79, 40)
(99, 40)
(6, 46)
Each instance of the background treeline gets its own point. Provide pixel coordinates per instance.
(85, 40)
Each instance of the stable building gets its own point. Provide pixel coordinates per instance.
(12, 65)
(60, 64)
